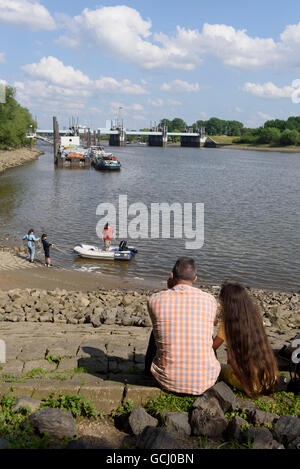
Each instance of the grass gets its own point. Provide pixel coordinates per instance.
(75, 403)
(54, 360)
(167, 402)
(60, 375)
(222, 138)
(13, 425)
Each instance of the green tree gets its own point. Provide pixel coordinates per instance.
(15, 122)
(269, 135)
(290, 137)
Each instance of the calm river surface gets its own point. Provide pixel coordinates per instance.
(251, 202)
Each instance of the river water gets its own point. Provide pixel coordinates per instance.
(251, 208)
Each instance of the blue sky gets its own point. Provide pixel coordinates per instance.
(193, 59)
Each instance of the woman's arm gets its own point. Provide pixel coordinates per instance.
(217, 342)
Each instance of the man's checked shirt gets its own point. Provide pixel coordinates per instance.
(183, 325)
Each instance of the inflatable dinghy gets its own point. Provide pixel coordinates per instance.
(121, 253)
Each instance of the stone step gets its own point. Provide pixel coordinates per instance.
(105, 395)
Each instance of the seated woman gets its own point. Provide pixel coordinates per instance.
(251, 364)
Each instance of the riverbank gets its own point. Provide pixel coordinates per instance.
(289, 149)
(13, 158)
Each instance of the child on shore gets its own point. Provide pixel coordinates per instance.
(46, 246)
(31, 239)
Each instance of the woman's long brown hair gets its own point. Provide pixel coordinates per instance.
(248, 348)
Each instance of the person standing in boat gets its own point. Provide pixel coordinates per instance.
(107, 236)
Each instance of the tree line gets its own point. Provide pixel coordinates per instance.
(274, 132)
(15, 122)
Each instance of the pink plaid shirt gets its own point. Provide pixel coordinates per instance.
(183, 325)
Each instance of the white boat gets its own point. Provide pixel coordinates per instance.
(88, 251)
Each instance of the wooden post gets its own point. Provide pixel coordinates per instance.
(98, 137)
(89, 138)
(55, 138)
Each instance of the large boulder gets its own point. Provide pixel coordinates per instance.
(260, 438)
(139, 419)
(225, 396)
(286, 429)
(55, 422)
(156, 438)
(177, 423)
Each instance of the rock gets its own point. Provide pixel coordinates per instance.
(177, 423)
(25, 401)
(95, 319)
(295, 444)
(259, 417)
(204, 423)
(83, 301)
(127, 300)
(236, 428)
(4, 444)
(139, 419)
(56, 422)
(156, 438)
(76, 444)
(260, 438)
(248, 406)
(210, 404)
(225, 396)
(109, 316)
(286, 429)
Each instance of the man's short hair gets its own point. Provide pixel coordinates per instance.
(185, 269)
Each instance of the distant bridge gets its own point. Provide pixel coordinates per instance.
(118, 136)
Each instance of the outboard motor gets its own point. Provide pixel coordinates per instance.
(123, 246)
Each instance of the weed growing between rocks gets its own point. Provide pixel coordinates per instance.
(75, 403)
(168, 402)
(20, 435)
(280, 403)
(12, 427)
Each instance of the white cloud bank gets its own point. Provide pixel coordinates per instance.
(121, 32)
(54, 71)
(28, 13)
(268, 90)
(2, 57)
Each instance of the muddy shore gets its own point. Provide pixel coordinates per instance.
(13, 158)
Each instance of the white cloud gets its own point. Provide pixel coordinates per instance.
(2, 57)
(155, 102)
(268, 90)
(27, 13)
(186, 49)
(238, 109)
(121, 32)
(174, 102)
(55, 72)
(265, 116)
(110, 84)
(180, 85)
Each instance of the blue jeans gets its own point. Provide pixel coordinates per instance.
(31, 252)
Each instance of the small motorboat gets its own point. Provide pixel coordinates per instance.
(117, 253)
(107, 162)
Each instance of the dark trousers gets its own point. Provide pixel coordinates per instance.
(150, 354)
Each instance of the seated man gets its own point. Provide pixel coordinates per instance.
(183, 325)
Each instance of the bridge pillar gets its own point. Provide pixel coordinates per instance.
(190, 141)
(119, 139)
(159, 140)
